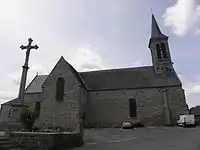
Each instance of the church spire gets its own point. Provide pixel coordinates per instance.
(159, 47)
(155, 30)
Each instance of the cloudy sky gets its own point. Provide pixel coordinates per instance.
(93, 34)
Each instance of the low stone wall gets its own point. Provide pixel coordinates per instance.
(48, 141)
(12, 126)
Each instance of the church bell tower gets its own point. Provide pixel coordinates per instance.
(159, 47)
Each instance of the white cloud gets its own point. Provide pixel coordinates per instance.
(139, 63)
(9, 89)
(15, 77)
(191, 87)
(35, 69)
(192, 90)
(6, 96)
(87, 59)
(183, 17)
(18, 23)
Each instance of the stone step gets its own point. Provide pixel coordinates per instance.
(4, 139)
(8, 146)
(4, 142)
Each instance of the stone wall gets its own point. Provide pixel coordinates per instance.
(12, 126)
(10, 114)
(41, 140)
(177, 103)
(31, 98)
(109, 108)
(84, 105)
(64, 113)
(5, 113)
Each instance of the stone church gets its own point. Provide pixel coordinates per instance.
(152, 95)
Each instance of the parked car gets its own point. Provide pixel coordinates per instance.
(186, 120)
(127, 125)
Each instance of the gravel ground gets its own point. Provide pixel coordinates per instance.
(160, 138)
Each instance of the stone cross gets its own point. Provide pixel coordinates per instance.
(25, 69)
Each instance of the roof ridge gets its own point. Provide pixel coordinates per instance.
(43, 75)
(117, 69)
(30, 83)
(35, 84)
(10, 101)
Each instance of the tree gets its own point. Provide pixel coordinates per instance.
(29, 115)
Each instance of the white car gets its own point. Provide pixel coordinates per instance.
(127, 125)
(186, 120)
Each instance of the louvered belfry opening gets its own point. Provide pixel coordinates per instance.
(161, 51)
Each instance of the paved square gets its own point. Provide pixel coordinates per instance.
(160, 138)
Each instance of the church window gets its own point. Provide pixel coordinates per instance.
(37, 105)
(164, 52)
(132, 108)
(158, 50)
(60, 85)
(9, 112)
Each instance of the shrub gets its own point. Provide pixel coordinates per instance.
(29, 115)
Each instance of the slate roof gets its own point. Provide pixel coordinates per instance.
(14, 102)
(155, 30)
(127, 78)
(195, 110)
(36, 84)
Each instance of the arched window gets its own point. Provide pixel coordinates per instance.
(158, 50)
(132, 108)
(9, 112)
(60, 87)
(164, 52)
